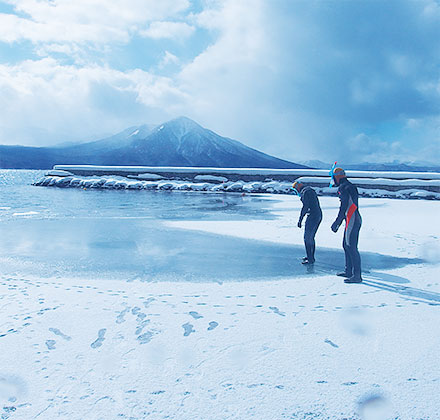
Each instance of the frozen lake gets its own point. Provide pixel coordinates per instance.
(119, 234)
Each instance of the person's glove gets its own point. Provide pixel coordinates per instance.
(335, 226)
(299, 224)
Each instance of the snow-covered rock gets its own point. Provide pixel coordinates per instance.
(413, 189)
(147, 176)
(210, 178)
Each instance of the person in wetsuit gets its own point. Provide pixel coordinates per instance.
(348, 211)
(312, 209)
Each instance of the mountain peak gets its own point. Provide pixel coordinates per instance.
(183, 120)
(179, 127)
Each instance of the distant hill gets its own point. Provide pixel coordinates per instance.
(368, 166)
(179, 142)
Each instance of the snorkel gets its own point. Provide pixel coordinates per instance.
(295, 187)
(331, 173)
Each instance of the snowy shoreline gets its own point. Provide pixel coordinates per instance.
(191, 172)
(401, 189)
(296, 348)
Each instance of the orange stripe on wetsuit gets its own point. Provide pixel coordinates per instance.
(350, 213)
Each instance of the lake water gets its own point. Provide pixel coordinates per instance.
(120, 234)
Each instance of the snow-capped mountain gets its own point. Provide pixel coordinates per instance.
(179, 142)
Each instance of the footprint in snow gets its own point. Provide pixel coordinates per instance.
(331, 343)
(140, 316)
(120, 318)
(98, 342)
(212, 325)
(141, 326)
(56, 331)
(50, 344)
(277, 311)
(145, 337)
(195, 315)
(148, 301)
(188, 329)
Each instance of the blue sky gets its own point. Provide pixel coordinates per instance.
(332, 80)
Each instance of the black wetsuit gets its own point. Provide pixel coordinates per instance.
(312, 208)
(349, 210)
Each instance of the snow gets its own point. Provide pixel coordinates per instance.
(57, 172)
(210, 178)
(307, 347)
(27, 213)
(134, 133)
(151, 182)
(146, 176)
(246, 171)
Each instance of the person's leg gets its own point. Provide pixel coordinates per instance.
(310, 229)
(354, 252)
(308, 241)
(315, 229)
(348, 259)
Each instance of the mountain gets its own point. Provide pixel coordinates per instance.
(368, 166)
(179, 142)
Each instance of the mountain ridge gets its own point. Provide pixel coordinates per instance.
(371, 166)
(178, 142)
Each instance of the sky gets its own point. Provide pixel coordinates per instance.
(350, 80)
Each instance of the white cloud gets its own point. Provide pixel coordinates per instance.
(171, 30)
(301, 79)
(71, 102)
(363, 147)
(222, 80)
(95, 21)
(366, 92)
(168, 59)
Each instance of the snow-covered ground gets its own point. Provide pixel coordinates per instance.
(298, 347)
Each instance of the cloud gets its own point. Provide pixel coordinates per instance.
(363, 147)
(83, 21)
(168, 59)
(298, 79)
(72, 103)
(172, 30)
(301, 79)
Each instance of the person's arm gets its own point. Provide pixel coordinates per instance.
(344, 195)
(305, 207)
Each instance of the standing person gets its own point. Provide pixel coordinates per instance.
(348, 210)
(312, 208)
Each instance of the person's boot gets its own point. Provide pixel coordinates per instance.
(344, 274)
(354, 279)
(306, 261)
